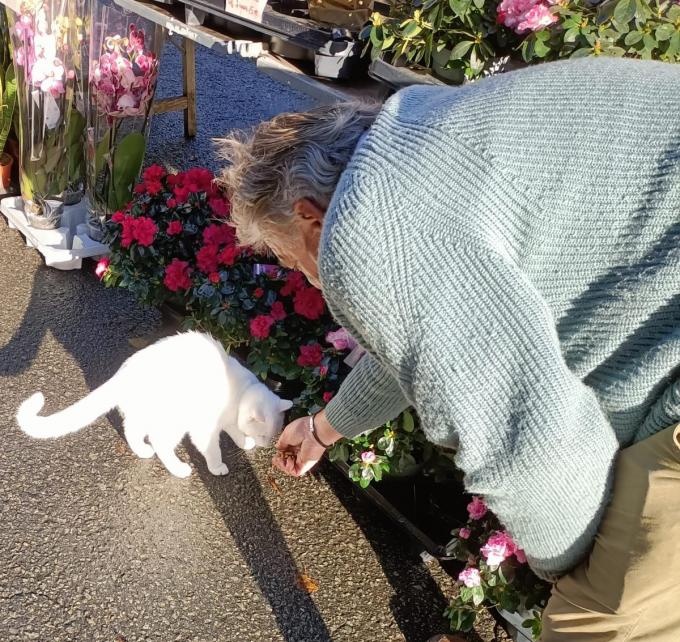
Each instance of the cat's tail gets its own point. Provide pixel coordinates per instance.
(71, 419)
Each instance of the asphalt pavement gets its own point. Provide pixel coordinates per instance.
(97, 545)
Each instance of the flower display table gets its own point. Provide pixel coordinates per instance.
(63, 248)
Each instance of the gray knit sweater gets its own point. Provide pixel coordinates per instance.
(509, 254)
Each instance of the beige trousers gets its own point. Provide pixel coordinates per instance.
(629, 587)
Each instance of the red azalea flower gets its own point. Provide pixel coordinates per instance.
(206, 258)
(171, 203)
(153, 187)
(140, 188)
(258, 292)
(219, 206)
(260, 326)
(221, 234)
(153, 173)
(177, 275)
(294, 281)
(308, 303)
(214, 277)
(327, 396)
(172, 179)
(128, 234)
(199, 178)
(278, 312)
(228, 255)
(310, 355)
(175, 227)
(181, 194)
(118, 217)
(145, 231)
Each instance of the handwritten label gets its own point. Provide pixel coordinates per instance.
(250, 9)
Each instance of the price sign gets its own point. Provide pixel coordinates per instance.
(250, 9)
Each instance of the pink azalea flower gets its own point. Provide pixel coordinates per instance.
(520, 556)
(464, 533)
(526, 15)
(102, 267)
(368, 457)
(477, 508)
(470, 577)
(341, 340)
(498, 548)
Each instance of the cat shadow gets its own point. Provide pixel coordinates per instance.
(253, 528)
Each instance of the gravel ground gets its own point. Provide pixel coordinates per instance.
(99, 545)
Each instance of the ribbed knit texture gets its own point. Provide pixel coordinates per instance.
(509, 254)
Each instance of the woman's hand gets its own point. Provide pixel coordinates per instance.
(297, 450)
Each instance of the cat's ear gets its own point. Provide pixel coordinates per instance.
(285, 404)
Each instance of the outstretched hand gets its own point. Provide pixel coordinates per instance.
(297, 449)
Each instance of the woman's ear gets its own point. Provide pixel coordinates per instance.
(309, 212)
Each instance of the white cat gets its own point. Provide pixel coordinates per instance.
(183, 384)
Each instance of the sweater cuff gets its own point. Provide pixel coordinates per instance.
(368, 398)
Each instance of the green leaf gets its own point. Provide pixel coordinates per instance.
(376, 37)
(614, 52)
(664, 31)
(461, 49)
(127, 163)
(633, 38)
(102, 151)
(477, 595)
(582, 53)
(460, 7)
(541, 49)
(411, 30)
(9, 98)
(571, 34)
(388, 42)
(408, 423)
(624, 11)
(673, 46)
(649, 41)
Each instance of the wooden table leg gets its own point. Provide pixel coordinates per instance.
(189, 76)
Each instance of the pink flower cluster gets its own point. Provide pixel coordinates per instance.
(341, 340)
(499, 547)
(470, 577)
(124, 76)
(526, 15)
(477, 508)
(36, 51)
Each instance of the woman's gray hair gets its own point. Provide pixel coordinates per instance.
(291, 156)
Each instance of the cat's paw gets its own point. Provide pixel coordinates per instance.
(222, 469)
(183, 470)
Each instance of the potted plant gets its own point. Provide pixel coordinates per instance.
(496, 574)
(156, 239)
(124, 52)
(44, 74)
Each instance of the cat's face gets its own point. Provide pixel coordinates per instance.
(261, 415)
